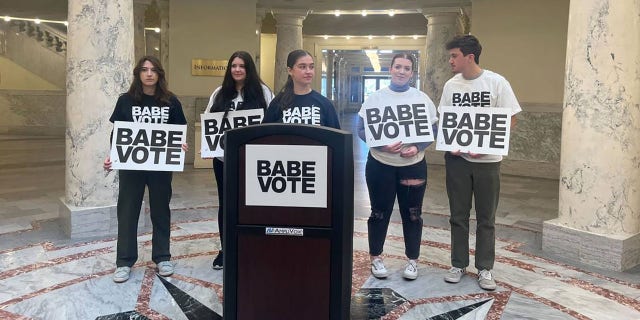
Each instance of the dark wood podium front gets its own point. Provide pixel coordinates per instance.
(286, 258)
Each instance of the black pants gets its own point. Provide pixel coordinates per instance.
(132, 185)
(384, 184)
(218, 170)
(480, 181)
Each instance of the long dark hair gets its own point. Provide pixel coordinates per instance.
(252, 93)
(286, 94)
(162, 93)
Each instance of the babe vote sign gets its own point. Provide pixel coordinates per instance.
(147, 146)
(475, 130)
(214, 125)
(408, 123)
(286, 175)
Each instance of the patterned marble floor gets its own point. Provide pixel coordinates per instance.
(44, 275)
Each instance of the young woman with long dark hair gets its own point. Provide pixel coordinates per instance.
(241, 89)
(148, 95)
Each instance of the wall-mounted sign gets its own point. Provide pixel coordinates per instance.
(208, 67)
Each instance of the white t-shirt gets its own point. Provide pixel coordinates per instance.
(387, 97)
(488, 90)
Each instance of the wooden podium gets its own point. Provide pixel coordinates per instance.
(288, 222)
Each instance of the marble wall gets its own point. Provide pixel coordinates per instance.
(28, 112)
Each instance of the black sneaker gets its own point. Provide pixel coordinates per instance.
(217, 262)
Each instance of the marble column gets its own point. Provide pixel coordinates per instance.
(442, 25)
(343, 88)
(329, 74)
(260, 13)
(289, 38)
(163, 6)
(140, 45)
(599, 208)
(99, 64)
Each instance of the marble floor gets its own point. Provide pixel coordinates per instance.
(45, 275)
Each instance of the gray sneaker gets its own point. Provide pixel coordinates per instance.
(411, 270)
(454, 275)
(485, 280)
(121, 274)
(378, 269)
(165, 268)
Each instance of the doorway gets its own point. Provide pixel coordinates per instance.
(372, 84)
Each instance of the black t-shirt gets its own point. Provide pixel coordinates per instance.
(148, 110)
(312, 108)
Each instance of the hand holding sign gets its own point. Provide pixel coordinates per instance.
(147, 146)
(385, 125)
(393, 148)
(214, 125)
(475, 131)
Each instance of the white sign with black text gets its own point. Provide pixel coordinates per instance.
(475, 130)
(148, 146)
(388, 124)
(214, 126)
(286, 175)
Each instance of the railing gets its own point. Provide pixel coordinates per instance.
(48, 37)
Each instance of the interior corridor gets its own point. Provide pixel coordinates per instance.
(45, 275)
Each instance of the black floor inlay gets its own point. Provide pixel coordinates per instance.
(374, 303)
(192, 308)
(456, 314)
(129, 315)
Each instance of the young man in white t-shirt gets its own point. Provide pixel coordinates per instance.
(470, 175)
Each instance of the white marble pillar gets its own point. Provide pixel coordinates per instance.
(343, 89)
(139, 10)
(329, 75)
(289, 38)
(163, 6)
(260, 13)
(442, 25)
(599, 209)
(99, 64)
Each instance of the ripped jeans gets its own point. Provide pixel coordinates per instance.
(385, 183)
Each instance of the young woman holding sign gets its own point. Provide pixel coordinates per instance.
(150, 101)
(241, 89)
(297, 102)
(396, 170)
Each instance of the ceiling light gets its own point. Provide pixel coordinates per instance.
(7, 18)
(415, 37)
(364, 13)
(370, 37)
(326, 37)
(157, 30)
(337, 13)
(392, 37)
(348, 37)
(392, 13)
(36, 21)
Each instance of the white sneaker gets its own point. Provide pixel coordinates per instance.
(454, 275)
(165, 268)
(378, 270)
(411, 270)
(485, 280)
(121, 274)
